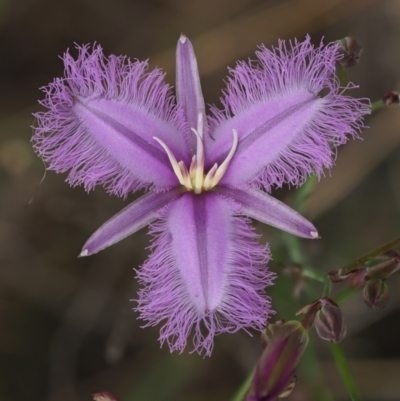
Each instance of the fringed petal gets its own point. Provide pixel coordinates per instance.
(101, 120)
(206, 275)
(288, 109)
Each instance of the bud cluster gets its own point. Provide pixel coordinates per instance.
(372, 277)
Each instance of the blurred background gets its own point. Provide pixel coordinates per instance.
(67, 328)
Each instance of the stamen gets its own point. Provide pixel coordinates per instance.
(198, 180)
(209, 177)
(172, 160)
(192, 168)
(223, 167)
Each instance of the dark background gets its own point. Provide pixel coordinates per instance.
(67, 328)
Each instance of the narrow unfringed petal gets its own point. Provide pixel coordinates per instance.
(188, 89)
(263, 207)
(101, 120)
(132, 218)
(206, 273)
(286, 125)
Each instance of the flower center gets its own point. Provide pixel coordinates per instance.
(194, 179)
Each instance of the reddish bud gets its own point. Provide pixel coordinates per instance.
(357, 277)
(309, 310)
(337, 276)
(103, 396)
(391, 97)
(376, 293)
(350, 51)
(327, 317)
(329, 323)
(275, 368)
(383, 269)
(390, 254)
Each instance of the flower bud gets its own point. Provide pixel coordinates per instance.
(383, 269)
(103, 396)
(391, 97)
(309, 310)
(337, 276)
(390, 254)
(357, 277)
(350, 50)
(329, 323)
(273, 327)
(376, 293)
(275, 368)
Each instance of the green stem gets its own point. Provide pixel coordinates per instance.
(378, 104)
(343, 75)
(371, 255)
(304, 192)
(314, 275)
(311, 371)
(294, 248)
(346, 294)
(244, 388)
(327, 288)
(345, 372)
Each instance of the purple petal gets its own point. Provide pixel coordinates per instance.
(188, 88)
(263, 207)
(135, 216)
(207, 273)
(285, 127)
(101, 120)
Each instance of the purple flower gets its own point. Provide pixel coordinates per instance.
(111, 122)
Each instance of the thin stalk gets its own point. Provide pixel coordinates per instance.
(303, 193)
(346, 294)
(244, 388)
(314, 275)
(310, 370)
(377, 105)
(371, 255)
(345, 372)
(293, 247)
(343, 75)
(327, 288)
